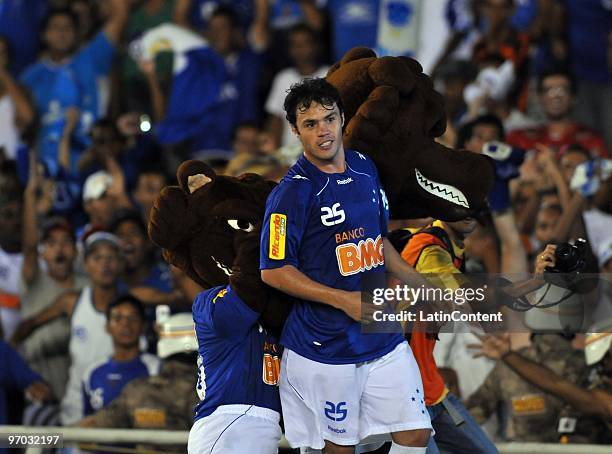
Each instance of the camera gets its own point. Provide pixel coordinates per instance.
(570, 258)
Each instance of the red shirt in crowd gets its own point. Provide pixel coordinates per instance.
(575, 134)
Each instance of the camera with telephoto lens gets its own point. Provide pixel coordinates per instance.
(570, 258)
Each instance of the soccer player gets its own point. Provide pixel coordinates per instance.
(324, 233)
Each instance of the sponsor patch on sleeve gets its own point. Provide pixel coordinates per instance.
(278, 235)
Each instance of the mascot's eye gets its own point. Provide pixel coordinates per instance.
(239, 224)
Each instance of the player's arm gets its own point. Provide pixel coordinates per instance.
(63, 305)
(400, 269)
(290, 280)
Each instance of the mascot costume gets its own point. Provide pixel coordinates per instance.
(209, 226)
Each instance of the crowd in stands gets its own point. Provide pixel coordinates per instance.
(101, 100)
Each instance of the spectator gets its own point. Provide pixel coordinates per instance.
(304, 53)
(556, 90)
(151, 180)
(20, 24)
(533, 414)
(11, 256)
(165, 401)
(501, 42)
(104, 380)
(587, 415)
(214, 88)
(16, 111)
(64, 83)
(546, 224)
(88, 342)
(589, 34)
(571, 157)
(274, 18)
(103, 195)
(195, 14)
(141, 267)
(107, 143)
(87, 18)
(146, 15)
(15, 374)
(46, 350)
(451, 80)
(353, 23)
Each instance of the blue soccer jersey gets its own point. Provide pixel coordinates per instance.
(238, 361)
(330, 227)
(104, 380)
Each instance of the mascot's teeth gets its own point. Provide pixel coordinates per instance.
(222, 267)
(443, 191)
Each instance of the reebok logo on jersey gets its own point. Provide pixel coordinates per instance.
(278, 235)
(355, 258)
(345, 181)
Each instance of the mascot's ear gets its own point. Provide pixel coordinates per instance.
(394, 72)
(356, 53)
(191, 168)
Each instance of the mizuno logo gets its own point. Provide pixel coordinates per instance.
(299, 177)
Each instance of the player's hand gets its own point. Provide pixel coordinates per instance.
(545, 259)
(492, 347)
(350, 303)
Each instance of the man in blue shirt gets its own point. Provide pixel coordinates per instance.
(64, 82)
(323, 239)
(104, 380)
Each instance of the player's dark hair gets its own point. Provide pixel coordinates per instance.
(126, 299)
(303, 94)
(467, 130)
(557, 71)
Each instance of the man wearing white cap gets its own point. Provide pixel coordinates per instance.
(103, 195)
(89, 341)
(590, 416)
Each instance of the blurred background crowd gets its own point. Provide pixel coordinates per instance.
(101, 100)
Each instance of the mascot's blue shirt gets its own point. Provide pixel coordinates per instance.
(330, 226)
(238, 361)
